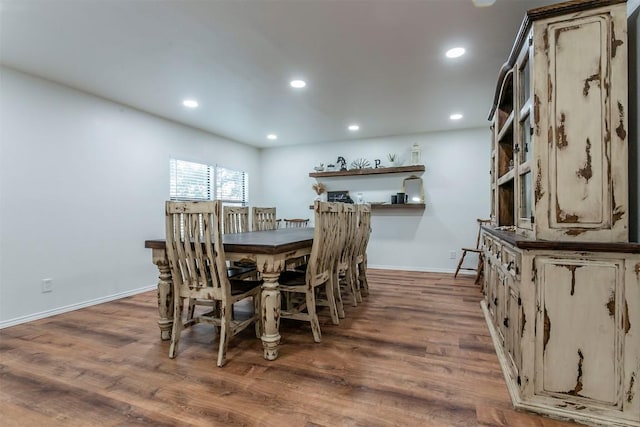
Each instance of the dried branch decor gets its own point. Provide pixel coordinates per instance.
(319, 188)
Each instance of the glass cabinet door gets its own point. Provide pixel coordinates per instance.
(526, 207)
(505, 137)
(492, 175)
(524, 140)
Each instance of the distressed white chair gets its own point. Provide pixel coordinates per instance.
(319, 271)
(359, 272)
(296, 222)
(236, 219)
(263, 219)
(345, 263)
(199, 273)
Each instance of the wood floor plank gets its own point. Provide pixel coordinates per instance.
(416, 352)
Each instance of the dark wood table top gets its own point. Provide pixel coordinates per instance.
(258, 242)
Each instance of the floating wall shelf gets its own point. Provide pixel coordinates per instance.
(377, 207)
(398, 206)
(368, 171)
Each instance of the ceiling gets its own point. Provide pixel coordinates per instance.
(378, 63)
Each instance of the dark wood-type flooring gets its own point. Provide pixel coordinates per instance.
(417, 352)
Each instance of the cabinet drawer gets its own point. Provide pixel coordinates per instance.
(491, 246)
(511, 260)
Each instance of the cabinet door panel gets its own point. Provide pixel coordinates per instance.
(579, 347)
(513, 325)
(502, 297)
(579, 193)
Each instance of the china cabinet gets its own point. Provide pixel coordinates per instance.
(559, 125)
(561, 281)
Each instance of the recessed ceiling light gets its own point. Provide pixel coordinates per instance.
(298, 84)
(455, 116)
(272, 136)
(483, 3)
(354, 127)
(190, 103)
(455, 52)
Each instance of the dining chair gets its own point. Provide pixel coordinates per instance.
(319, 271)
(345, 263)
(296, 222)
(263, 219)
(236, 219)
(199, 272)
(339, 227)
(363, 234)
(477, 250)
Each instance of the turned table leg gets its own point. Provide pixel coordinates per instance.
(165, 293)
(270, 299)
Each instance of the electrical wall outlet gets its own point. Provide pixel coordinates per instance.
(452, 254)
(47, 285)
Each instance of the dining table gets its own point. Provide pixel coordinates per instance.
(270, 249)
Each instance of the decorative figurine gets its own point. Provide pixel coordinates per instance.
(377, 163)
(342, 162)
(360, 164)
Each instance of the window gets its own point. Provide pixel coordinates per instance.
(231, 186)
(197, 181)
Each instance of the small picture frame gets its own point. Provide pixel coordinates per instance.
(339, 196)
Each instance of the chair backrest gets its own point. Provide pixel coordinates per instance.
(263, 219)
(236, 219)
(481, 222)
(326, 234)
(296, 222)
(194, 249)
(349, 230)
(363, 229)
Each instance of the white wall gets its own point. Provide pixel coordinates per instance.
(456, 183)
(82, 185)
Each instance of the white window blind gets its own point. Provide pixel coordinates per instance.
(190, 181)
(197, 181)
(231, 186)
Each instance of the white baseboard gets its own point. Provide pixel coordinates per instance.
(72, 307)
(422, 269)
(60, 310)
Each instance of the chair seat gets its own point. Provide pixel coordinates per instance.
(301, 268)
(235, 271)
(245, 263)
(239, 287)
(292, 278)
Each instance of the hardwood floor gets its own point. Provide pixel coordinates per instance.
(417, 352)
